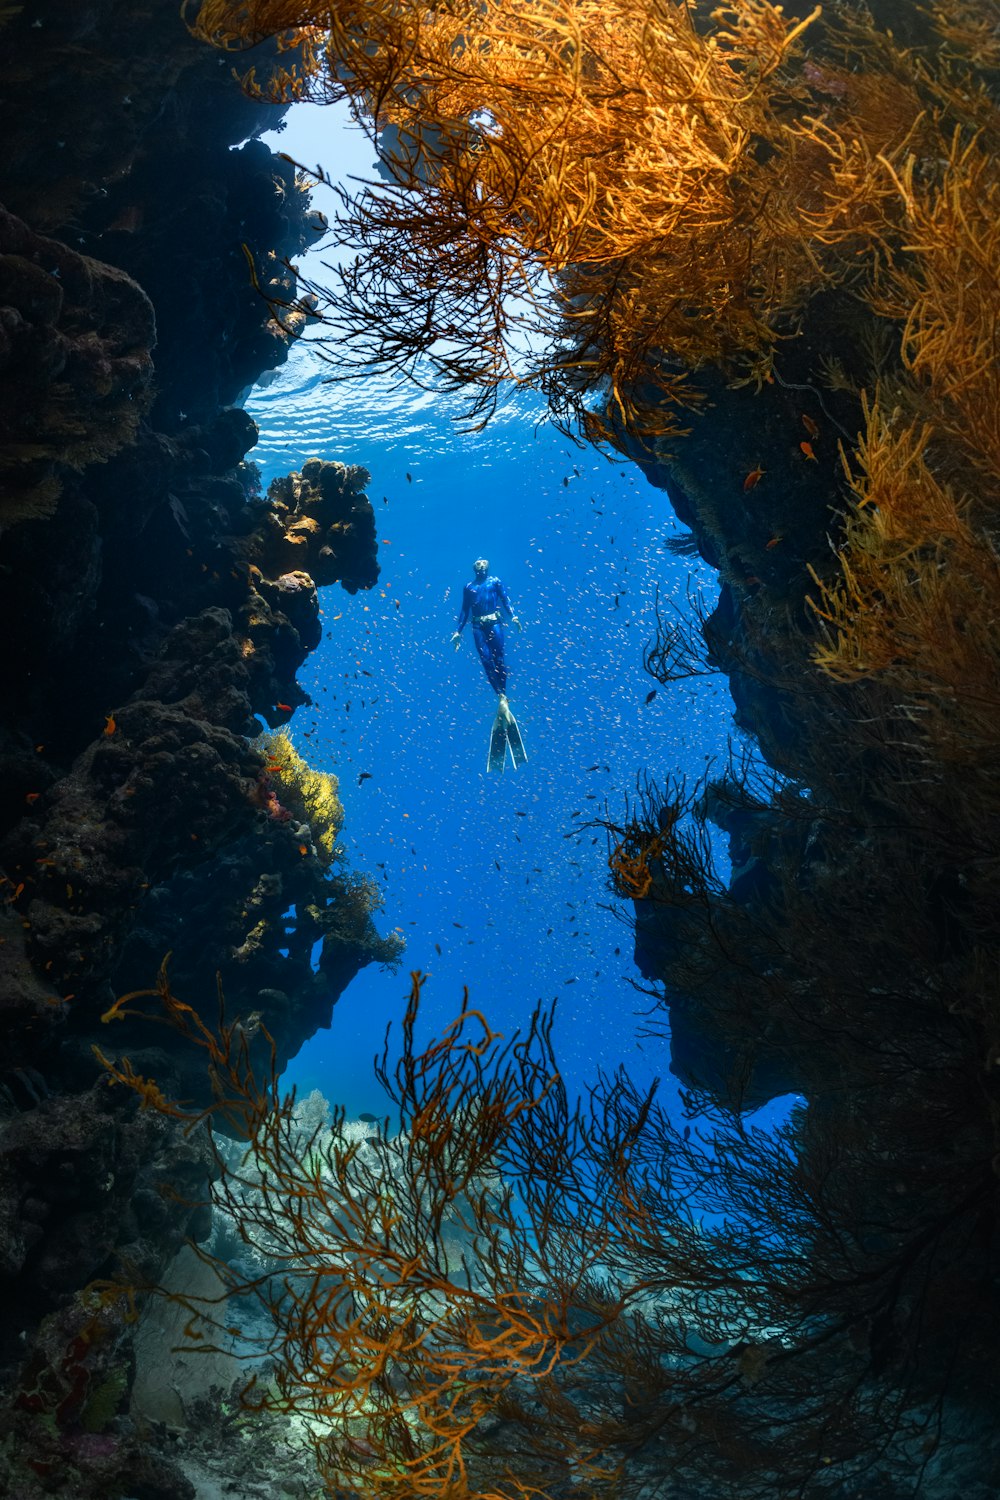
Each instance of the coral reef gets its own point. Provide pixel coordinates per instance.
(771, 246)
(509, 1294)
(76, 337)
(322, 521)
(162, 609)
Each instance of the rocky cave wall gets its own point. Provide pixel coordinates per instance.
(158, 610)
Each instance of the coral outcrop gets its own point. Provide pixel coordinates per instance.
(162, 608)
(322, 521)
(76, 340)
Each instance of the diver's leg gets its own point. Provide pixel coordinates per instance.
(498, 734)
(498, 676)
(515, 744)
(493, 663)
(481, 639)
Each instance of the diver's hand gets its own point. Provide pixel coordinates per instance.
(516, 620)
(456, 640)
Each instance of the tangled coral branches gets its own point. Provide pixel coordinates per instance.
(911, 609)
(575, 176)
(237, 1096)
(658, 850)
(597, 199)
(402, 1287)
(630, 859)
(513, 1296)
(970, 28)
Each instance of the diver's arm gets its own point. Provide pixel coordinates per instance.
(505, 605)
(468, 600)
(463, 617)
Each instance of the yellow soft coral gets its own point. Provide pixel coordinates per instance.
(313, 796)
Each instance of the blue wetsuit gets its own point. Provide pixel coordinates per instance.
(486, 604)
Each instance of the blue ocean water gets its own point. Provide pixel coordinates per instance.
(495, 882)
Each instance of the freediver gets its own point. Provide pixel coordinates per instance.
(485, 603)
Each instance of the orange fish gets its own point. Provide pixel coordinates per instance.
(285, 708)
(807, 449)
(31, 797)
(110, 724)
(810, 426)
(303, 848)
(754, 477)
(772, 543)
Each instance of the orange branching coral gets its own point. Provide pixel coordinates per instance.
(513, 1298)
(658, 852)
(630, 859)
(945, 290)
(576, 175)
(971, 28)
(918, 589)
(405, 1294)
(598, 198)
(149, 1092)
(912, 572)
(238, 1097)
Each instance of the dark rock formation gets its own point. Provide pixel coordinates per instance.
(76, 337)
(320, 520)
(757, 480)
(849, 955)
(162, 608)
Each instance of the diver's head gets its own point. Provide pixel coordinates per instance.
(481, 567)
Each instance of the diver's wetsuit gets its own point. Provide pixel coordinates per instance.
(485, 603)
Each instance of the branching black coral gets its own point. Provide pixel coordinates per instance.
(510, 1294)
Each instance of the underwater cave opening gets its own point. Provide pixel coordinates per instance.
(495, 882)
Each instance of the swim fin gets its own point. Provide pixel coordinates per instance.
(512, 734)
(498, 744)
(515, 744)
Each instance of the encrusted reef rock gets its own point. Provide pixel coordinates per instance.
(76, 339)
(133, 805)
(756, 479)
(321, 521)
(82, 1184)
(162, 609)
(247, 207)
